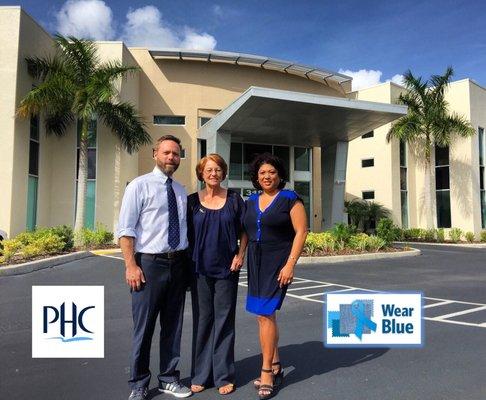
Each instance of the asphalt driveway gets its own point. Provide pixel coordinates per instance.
(451, 365)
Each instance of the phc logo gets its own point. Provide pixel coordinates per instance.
(373, 319)
(67, 322)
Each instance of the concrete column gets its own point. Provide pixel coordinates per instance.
(220, 142)
(339, 189)
(333, 177)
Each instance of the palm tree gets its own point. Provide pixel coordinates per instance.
(428, 122)
(75, 86)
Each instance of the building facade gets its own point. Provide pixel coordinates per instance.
(393, 173)
(234, 104)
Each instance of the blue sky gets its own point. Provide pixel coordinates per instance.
(372, 40)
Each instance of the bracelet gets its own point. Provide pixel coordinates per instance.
(293, 258)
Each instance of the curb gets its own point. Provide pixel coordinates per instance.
(462, 245)
(25, 268)
(357, 257)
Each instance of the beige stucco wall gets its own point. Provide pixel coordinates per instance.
(384, 176)
(191, 88)
(9, 46)
(24, 38)
(466, 99)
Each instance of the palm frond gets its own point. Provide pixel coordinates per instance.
(58, 123)
(52, 96)
(41, 68)
(80, 54)
(440, 82)
(408, 128)
(122, 118)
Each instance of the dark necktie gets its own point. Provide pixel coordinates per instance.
(174, 237)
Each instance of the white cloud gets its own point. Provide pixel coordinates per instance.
(91, 19)
(365, 78)
(146, 27)
(398, 79)
(196, 41)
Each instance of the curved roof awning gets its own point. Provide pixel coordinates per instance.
(264, 115)
(305, 71)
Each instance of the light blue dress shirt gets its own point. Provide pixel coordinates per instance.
(144, 214)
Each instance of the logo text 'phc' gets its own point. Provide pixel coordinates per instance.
(60, 315)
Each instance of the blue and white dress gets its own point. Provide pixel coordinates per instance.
(271, 234)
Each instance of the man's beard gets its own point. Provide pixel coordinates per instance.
(167, 169)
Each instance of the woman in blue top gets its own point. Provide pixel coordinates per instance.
(214, 229)
(276, 224)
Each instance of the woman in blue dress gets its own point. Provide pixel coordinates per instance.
(214, 229)
(276, 224)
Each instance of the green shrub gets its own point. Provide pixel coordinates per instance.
(429, 235)
(469, 236)
(455, 234)
(375, 243)
(10, 248)
(47, 243)
(412, 233)
(440, 235)
(66, 234)
(316, 242)
(95, 238)
(387, 230)
(341, 233)
(482, 236)
(358, 242)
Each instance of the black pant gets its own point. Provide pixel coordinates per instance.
(213, 307)
(164, 294)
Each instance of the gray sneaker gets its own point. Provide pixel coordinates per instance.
(175, 388)
(138, 394)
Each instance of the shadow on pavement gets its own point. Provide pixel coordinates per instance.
(307, 360)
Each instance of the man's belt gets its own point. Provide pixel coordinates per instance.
(171, 255)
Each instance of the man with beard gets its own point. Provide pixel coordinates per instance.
(152, 231)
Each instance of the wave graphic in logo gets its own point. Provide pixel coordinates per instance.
(74, 339)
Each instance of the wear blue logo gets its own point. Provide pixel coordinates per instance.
(53, 317)
(354, 318)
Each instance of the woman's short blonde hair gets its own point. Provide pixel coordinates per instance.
(215, 158)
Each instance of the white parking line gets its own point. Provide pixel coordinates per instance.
(307, 287)
(345, 288)
(442, 317)
(440, 303)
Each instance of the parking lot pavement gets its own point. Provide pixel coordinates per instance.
(451, 365)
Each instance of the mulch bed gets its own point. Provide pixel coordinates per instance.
(347, 252)
(18, 259)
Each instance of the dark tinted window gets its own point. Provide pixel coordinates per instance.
(369, 162)
(442, 178)
(368, 135)
(34, 158)
(369, 195)
(441, 155)
(169, 120)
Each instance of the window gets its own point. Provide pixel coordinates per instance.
(368, 135)
(303, 190)
(403, 184)
(33, 178)
(242, 154)
(203, 121)
(442, 187)
(202, 148)
(169, 120)
(482, 189)
(89, 216)
(183, 153)
(368, 195)
(236, 161)
(302, 159)
(368, 162)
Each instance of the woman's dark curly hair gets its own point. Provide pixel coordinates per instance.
(267, 158)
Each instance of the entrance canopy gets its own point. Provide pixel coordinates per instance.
(302, 119)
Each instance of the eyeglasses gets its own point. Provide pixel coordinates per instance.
(217, 171)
